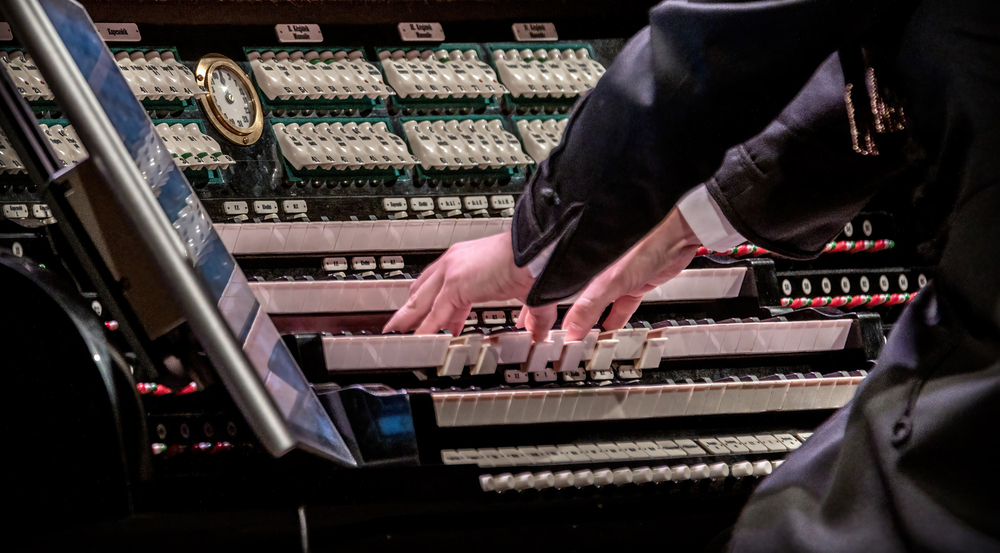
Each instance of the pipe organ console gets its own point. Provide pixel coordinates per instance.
(334, 167)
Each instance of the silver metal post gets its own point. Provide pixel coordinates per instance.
(32, 26)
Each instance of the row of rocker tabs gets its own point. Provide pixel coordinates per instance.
(440, 74)
(552, 73)
(585, 453)
(62, 138)
(597, 401)
(643, 347)
(541, 135)
(158, 75)
(191, 148)
(439, 144)
(622, 476)
(465, 144)
(312, 75)
(26, 76)
(342, 146)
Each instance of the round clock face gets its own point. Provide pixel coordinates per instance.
(231, 103)
(232, 98)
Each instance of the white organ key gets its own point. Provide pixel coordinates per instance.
(384, 352)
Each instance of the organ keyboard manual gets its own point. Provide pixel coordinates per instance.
(210, 211)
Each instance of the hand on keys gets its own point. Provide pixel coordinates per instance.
(469, 272)
(658, 257)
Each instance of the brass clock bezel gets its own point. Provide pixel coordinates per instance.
(203, 72)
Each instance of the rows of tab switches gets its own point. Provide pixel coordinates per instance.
(464, 144)
(313, 75)
(26, 76)
(158, 76)
(624, 475)
(730, 395)
(541, 135)
(440, 74)
(554, 72)
(192, 149)
(349, 295)
(643, 347)
(583, 453)
(10, 162)
(63, 139)
(340, 146)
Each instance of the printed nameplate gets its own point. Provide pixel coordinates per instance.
(535, 32)
(119, 32)
(299, 33)
(421, 32)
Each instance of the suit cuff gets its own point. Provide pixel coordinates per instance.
(705, 218)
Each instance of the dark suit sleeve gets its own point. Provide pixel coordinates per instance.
(700, 79)
(795, 185)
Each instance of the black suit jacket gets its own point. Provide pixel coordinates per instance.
(892, 470)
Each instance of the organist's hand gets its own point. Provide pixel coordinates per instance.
(658, 257)
(469, 272)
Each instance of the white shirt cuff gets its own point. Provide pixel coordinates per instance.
(536, 265)
(703, 215)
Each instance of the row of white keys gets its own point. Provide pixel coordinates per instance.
(355, 236)
(554, 72)
(348, 296)
(26, 76)
(10, 162)
(192, 149)
(565, 454)
(540, 136)
(440, 74)
(394, 351)
(449, 355)
(158, 75)
(622, 476)
(65, 143)
(502, 407)
(753, 337)
(342, 146)
(464, 144)
(314, 75)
